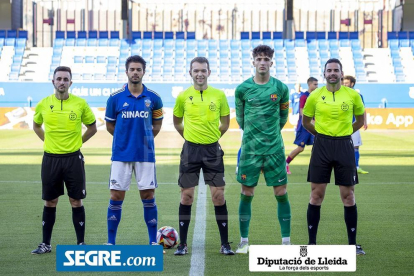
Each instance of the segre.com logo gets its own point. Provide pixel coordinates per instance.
(109, 258)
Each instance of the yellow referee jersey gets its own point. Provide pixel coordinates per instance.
(62, 121)
(201, 111)
(334, 111)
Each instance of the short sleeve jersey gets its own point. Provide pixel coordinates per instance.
(133, 116)
(201, 111)
(294, 100)
(258, 110)
(333, 111)
(62, 121)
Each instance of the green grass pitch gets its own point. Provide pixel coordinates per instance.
(384, 198)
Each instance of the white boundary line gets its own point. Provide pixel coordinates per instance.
(227, 183)
(199, 235)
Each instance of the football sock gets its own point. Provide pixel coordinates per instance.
(313, 215)
(184, 218)
(351, 218)
(113, 219)
(356, 151)
(78, 218)
(222, 219)
(48, 220)
(245, 213)
(289, 159)
(283, 214)
(151, 218)
(244, 239)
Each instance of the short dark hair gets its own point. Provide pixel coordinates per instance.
(135, 59)
(199, 60)
(333, 60)
(62, 69)
(263, 49)
(311, 79)
(350, 78)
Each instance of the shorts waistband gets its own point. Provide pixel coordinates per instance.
(334, 137)
(62, 155)
(201, 145)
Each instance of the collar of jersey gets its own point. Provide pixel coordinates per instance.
(143, 94)
(208, 88)
(55, 98)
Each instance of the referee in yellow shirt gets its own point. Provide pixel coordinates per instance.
(206, 116)
(62, 115)
(333, 107)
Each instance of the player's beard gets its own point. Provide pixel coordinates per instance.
(61, 91)
(138, 81)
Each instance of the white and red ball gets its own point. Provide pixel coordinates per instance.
(167, 236)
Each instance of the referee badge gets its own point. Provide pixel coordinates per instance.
(72, 116)
(212, 106)
(273, 97)
(344, 106)
(147, 102)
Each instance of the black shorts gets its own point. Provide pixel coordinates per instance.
(207, 157)
(59, 168)
(333, 152)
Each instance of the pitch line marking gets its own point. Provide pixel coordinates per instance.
(199, 236)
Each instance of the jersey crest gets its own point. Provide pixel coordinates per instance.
(147, 102)
(273, 97)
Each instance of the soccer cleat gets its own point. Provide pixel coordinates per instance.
(42, 249)
(226, 249)
(287, 169)
(361, 171)
(154, 243)
(82, 243)
(181, 249)
(107, 243)
(359, 250)
(243, 248)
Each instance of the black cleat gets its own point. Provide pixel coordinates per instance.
(359, 250)
(226, 249)
(42, 249)
(181, 249)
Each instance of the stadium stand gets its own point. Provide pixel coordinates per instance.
(100, 56)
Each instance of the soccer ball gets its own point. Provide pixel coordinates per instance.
(167, 237)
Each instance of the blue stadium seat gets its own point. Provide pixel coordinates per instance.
(202, 45)
(15, 67)
(353, 35)
(277, 35)
(110, 68)
(17, 59)
(22, 34)
(70, 34)
(190, 35)
(245, 35)
(92, 34)
(323, 45)
(112, 60)
(224, 45)
(312, 45)
(81, 42)
(300, 43)
(114, 42)
(87, 76)
(77, 59)
(235, 45)
(212, 44)
(266, 35)
(191, 45)
(2, 34)
(14, 76)
(332, 35)
(103, 35)
(11, 34)
(256, 42)
(89, 59)
(179, 35)
(310, 36)
(345, 43)
(289, 44)
(60, 35)
(101, 59)
(255, 35)
(403, 39)
(246, 44)
(333, 45)
(343, 35)
(92, 42)
(114, 34)
(99, 76)
(70, 42)
(392, 35)
(19, 51)
(82, 34)
(103, 42)
(1, 42)
(320, 35)
(136, 35)
(179, 56)
(9, 42)
(356, 45)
